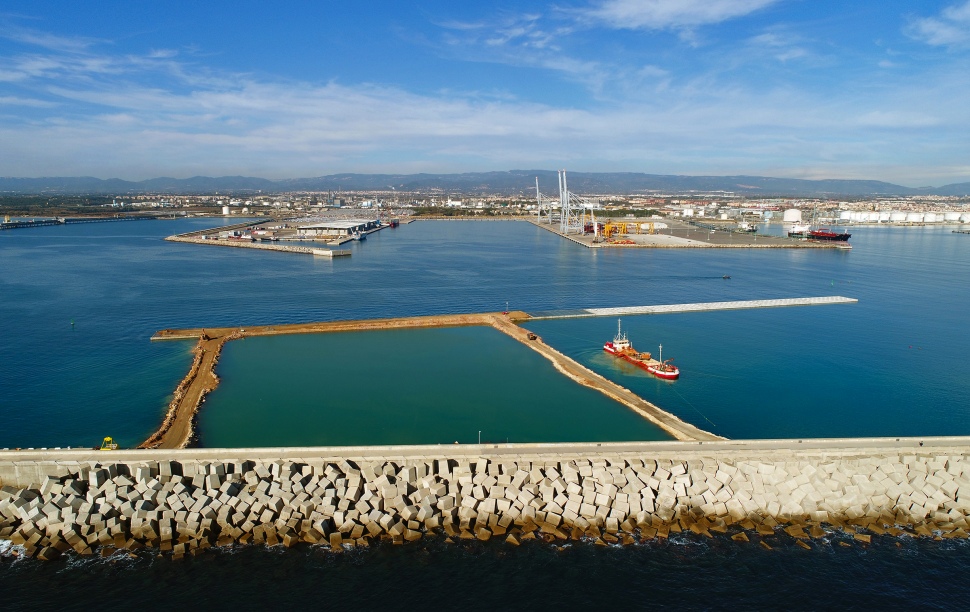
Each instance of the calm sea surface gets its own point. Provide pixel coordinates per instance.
(893, 364)
(412, 386)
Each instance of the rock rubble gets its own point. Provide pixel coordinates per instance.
(184, 508)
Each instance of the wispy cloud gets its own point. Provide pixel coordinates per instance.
(951, 28)
(158, 113)
(670, 14)
(18, 101)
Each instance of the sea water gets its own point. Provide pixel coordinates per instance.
(405, 386)
(78, 305)
(891, 363)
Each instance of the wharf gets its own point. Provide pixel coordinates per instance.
(245, 244)
(680, 235)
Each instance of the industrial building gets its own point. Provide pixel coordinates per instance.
(342, 227)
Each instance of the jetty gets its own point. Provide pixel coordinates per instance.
(177, 429)
(697, 307)
(25, 224)
(771, 492)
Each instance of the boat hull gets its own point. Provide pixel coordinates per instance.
(643, 365)
(832, 236)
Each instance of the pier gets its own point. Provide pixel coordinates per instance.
(262, 246)
(176, 430)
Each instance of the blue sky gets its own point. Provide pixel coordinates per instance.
(793, 88)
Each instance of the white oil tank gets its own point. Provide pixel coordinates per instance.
(792, 215)
(914, 217)
(951, 217)
(225, 211)
(873, 217)
(897, 216)
(845, 215)
(929, 217)
(965, 218)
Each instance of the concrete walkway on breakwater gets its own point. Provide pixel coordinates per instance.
(697, 307)
(785, 492)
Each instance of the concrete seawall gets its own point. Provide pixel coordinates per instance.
(186, 501)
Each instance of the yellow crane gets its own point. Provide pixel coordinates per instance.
(108, 444)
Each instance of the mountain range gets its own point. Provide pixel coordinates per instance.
(509, 182)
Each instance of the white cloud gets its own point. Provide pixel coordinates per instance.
(951, 28)
(142, 116)
(18, 101)
(666, 14)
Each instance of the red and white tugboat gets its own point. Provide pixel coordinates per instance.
(622, 348)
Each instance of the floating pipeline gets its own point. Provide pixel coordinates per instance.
(182, 502)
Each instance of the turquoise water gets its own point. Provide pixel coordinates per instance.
(828, 370)
(423, 386)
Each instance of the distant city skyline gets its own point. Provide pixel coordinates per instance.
(782, 88)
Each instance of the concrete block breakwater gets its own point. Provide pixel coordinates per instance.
(610, 494)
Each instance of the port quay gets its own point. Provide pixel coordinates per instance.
(184, 500)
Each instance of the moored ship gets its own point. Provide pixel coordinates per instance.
(827, 234)
(798, 230)
(622, 347)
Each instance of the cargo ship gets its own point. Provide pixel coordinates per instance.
(827, 234)
(622, 348)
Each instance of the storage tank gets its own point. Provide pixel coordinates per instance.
(857, 216)
(873, 217)
(929, 217)
(225, 211)
(896, 216)
(845, 215)
(914, 217)
(792, 215)
(965, 218)
(951, 217)
(884, 216)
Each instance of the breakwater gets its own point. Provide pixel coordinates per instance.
(6, 225)
(247, 244)
(177, 429)
(182, 502)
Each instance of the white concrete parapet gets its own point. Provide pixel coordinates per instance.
(696, 307)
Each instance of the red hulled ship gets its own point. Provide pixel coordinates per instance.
(622, 348)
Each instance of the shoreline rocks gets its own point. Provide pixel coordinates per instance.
(182, 508)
